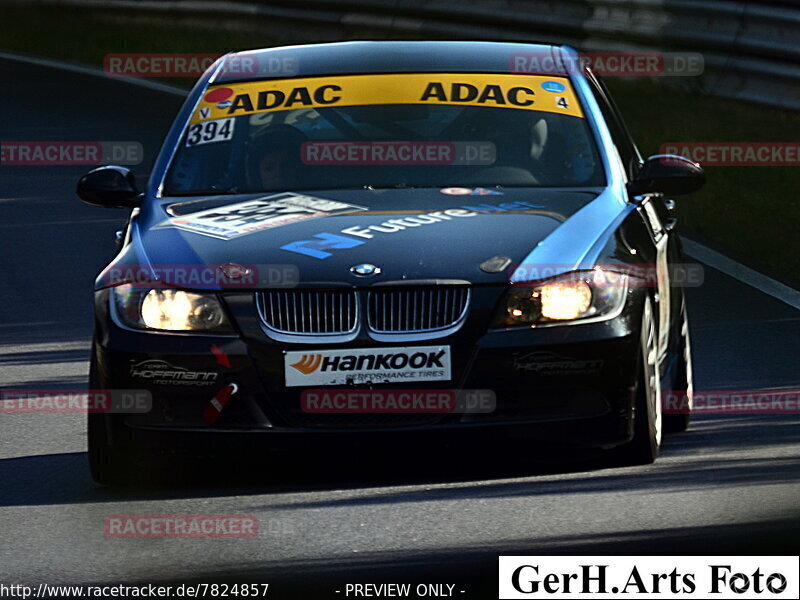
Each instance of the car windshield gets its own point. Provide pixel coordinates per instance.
(386, 131)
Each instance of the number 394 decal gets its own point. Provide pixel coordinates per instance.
(219, 130)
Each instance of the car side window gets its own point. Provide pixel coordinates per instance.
(628, 152)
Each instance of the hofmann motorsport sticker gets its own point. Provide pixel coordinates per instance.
(369, 365)
(242, 218)
(458, 89)
(160, 372)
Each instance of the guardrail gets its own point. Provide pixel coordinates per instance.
(751, 49)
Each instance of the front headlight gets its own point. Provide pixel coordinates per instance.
(169, 310)
(575, 297)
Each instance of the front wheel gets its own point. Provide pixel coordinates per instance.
(647, 412)
(109, 463)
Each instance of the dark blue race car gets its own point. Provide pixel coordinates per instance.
(393, 243)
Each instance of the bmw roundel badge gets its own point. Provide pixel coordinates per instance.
(364, 270)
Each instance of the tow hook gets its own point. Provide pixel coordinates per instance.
(216, 405)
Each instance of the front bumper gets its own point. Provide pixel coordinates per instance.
(570, 385)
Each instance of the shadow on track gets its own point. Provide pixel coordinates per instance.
(511, 471)
(474, 569)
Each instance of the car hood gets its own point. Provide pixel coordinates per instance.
(317, 237)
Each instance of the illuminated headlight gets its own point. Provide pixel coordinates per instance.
(169, 310)
(575, 297)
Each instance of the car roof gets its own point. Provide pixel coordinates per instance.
(385, 57)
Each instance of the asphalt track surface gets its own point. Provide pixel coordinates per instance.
(728, 486)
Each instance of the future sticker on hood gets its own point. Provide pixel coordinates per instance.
(242, 218)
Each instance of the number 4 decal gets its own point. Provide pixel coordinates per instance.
(562, 102)
(219, 130)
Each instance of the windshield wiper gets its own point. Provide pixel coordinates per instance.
(398, 186)
(208, 192)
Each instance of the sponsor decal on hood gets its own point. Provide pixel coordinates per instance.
(350, 237)
(251, 216)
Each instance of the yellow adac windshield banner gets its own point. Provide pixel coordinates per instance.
(495, 90)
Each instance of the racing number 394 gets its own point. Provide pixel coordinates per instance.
(219, 130)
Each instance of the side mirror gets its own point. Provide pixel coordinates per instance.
(668, 174)
(109, 187)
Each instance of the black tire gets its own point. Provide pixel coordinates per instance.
(109, 463)
(645, 446)
(682, 382)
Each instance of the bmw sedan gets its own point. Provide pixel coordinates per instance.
(395, 242)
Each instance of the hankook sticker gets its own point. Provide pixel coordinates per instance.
(369, 365)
